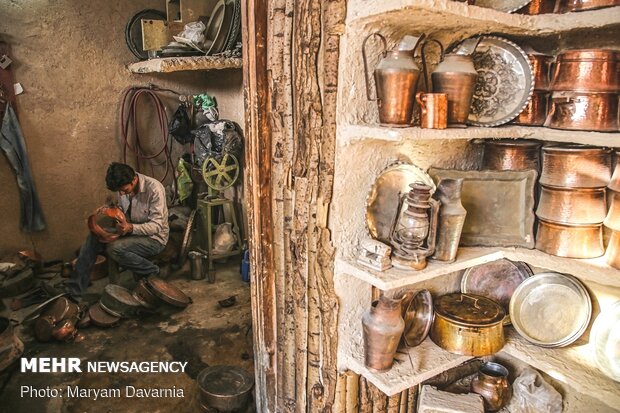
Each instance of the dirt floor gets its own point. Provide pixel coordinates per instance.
(204, 334)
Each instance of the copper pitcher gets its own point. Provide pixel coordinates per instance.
(492, 384)
(456, 76)
(584, 111)
(396, 79)
(383, 325)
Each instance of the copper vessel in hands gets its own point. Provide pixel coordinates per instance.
(535, 112)
(575, 166)
(511, 155)
(574, 206)
(587, 70)
(584, 111)
(566, 6)
(570, 241)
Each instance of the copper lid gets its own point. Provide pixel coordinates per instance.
(589, 54)
(469, 310)
(168, 292)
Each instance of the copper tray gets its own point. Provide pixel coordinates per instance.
(570, 241)
(573, 206)
(551, 309)
(575, 166)
(499, 204)
(418, 318)
(168, 292)
(496, 280)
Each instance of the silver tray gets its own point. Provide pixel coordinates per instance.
(505, 82)
(550, 309)
(605, 337)
(418, 318)
(384, 196)
(507, 6)
(499, 205)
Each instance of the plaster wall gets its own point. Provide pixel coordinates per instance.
(70, 56)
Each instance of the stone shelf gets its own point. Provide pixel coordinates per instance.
(404, 14)
(177, 64)
(573, 365)
(354, 133)
(595, 270)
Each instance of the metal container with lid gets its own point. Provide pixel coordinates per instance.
(468, 324)
(587, 70)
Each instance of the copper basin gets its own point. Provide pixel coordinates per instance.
(587, 70)
(575, 166)
(511, 155)
(612, 221)
(613, 250)
(535, 112)
(584, 111)
(579, 206)
(566, 6)
(570, 241)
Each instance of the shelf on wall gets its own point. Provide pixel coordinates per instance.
(595, 270)
(353, 133)
(405, 14)
(178, 64)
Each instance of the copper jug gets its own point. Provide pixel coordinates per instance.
(451, 219)
(383, 325)
(456, 76)
(492, 384)
(396, 79)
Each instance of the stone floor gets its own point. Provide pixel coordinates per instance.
(204, 334)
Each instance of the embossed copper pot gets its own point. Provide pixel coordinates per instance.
(584, 111)
(383, 326)
(492, 384)
(612, 255)
(535, 112)
(575, 166)
(566, 6)
(574, 206)
(538, 7)
(587, 70)
(511, 155)
(570, 241)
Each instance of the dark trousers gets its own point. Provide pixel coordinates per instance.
(130, 252)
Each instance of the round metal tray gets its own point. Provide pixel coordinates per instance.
(550, 309)
(418, 318)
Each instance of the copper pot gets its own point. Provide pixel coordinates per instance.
(538, 7)
(584, 111)
(541, 68)
(511, 155)
(535, 112)
(468, 324)
(575, 166)
(587, 70)
(566, 6)
(613, 250)
(575, 206)
(492, 384)
(103, 217)
(571, 241)
(612, 220)
(614, 185)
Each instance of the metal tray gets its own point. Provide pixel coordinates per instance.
(219, 25)
(605, 338)
(418, 318)
(505, 82)
(507, 6)
(499, 204)
(383, 198)
(551, 309)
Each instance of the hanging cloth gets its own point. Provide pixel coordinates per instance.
(13, 146)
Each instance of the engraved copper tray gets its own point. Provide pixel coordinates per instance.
(384, 196)
(499, 204)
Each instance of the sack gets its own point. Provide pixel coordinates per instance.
(180, 126)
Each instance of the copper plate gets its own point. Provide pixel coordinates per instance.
(100, 317)
(168, 292)
(551, 309)
(496, 280)
(570, 241)
(418, 318)
(575, 166)
(574, 206)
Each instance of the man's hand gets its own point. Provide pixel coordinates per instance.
(124, 227)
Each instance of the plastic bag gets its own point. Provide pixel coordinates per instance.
(180, 126)
(185, 185)
(532, 394)
(224, 239)
(194, 32)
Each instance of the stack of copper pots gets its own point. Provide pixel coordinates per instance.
(612, 221)
(535, 113)
(573, 204)
(585, 89)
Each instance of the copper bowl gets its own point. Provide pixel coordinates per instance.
(575, 166)
(102, 220)
(577, 206)
(584, 111)
(538, 7)
(535, 112)
(511, 155)
(613, 250)
(614, 185)
(612, 221)
(570, 241)
(566, 6)
(587, 70)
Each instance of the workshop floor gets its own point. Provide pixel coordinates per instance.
(204, 334)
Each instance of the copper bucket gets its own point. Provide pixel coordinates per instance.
(535, 112)
(613, 250)
(570, 241)
(584, 111)
(511, 155)
(587, 70)
(575, 166)
(575, 206)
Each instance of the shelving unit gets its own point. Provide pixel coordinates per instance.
(178, 64)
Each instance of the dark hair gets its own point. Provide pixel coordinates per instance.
(118, 175)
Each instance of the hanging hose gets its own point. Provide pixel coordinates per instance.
(131, 135)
